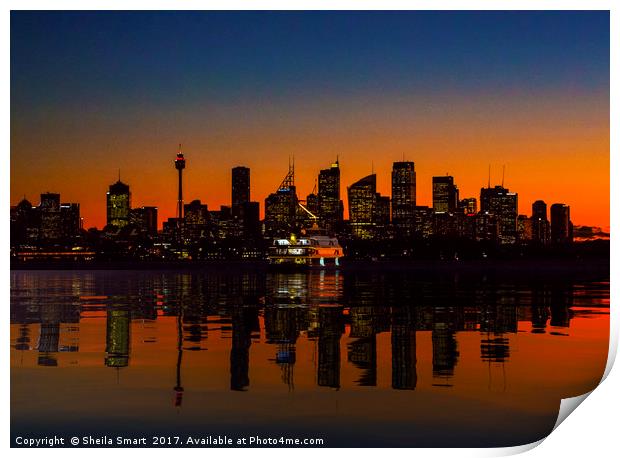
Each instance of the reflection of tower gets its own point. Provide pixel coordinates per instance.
(178, 388)
(496, 320)
(540, 308)
(179, 164)
(331, 328)
(445, 352)
(48, 344)
(362, 352)
(243, 320)
(282, 327)
(404, 374)
(23, 339)
(118, 329)
(561, 303)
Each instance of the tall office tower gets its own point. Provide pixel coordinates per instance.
(524, 229)
(196, 220)
(118, 204)
(403, 197)
(382, 211)
(362, 202)
(445, 194)
(540, 223)
(145, 219)
(70, 221)
(486, 227)
(469, 205)
(51, 222)
(424, 219)
(240, 186)
(330, 206)
(179, 164)
(50, 201)
(561, 227)
(312, 203)
(250, 213)
(281, 207)
(25, 222)
(539, 210)
(502, 203)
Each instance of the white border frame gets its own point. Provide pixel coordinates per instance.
(591, 430)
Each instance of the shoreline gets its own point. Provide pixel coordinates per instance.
(592, 265)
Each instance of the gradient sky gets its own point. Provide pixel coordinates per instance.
(92, 92)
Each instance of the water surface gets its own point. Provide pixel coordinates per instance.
(357, 359)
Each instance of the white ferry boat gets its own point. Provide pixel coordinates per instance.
(310, 250)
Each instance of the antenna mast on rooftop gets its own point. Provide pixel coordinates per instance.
(489, 183)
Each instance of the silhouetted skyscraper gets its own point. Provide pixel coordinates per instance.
(118, 204)
(240, 185)
(330, 211)
(445, 194)
(382, 212)
(250, 216)
(70, 221)
(524, 229)
(312, 203)
(145, 218)
(281, 207)
(539, 210)
(362, 207)
(196, 221)
(25, 222)
(469, 205)
(51, 224)
(540, 223)
(502, 203)
(560, 224)
(403, 197)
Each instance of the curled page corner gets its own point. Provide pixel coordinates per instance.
(567, 406)
(518, 449)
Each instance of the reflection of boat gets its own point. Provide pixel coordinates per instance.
(311, 250)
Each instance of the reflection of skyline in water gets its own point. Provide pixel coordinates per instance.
(278, 309)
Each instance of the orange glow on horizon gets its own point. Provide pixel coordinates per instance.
(554, 148)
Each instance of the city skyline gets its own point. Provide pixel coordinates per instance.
(452, 99)
(524, 208)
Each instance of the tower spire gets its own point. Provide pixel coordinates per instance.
(179, 164)
(489, 182)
